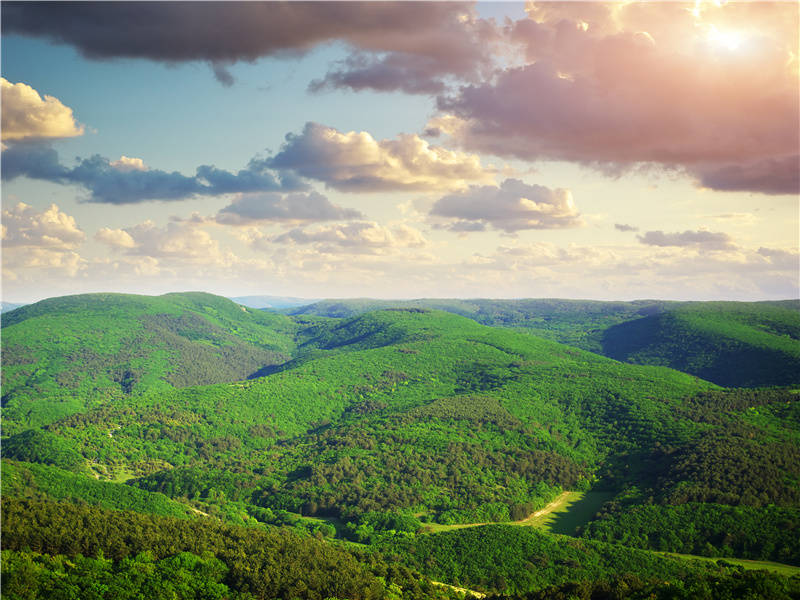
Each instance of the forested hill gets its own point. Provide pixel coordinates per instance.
(730, 343)
(366, 457)
(75, 350)
(736, 344)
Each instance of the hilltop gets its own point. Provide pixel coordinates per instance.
(747, 344)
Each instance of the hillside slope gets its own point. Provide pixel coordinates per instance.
(735, 344)
(384, 424)
(97, 347)
(730, 343)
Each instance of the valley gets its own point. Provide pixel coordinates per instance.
(401, 451)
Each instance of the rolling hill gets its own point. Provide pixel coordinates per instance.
(62, 354)
(371, 433)
(739, 344)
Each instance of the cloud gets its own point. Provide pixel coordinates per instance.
(129, 180)
(598, 91)
(624, 227)
(511, 207)
(447, 38)
(24, 226)
(359, 237)
(701, 239)
(254, 178)
(251, 208)
(40, 240)
(126, 163)
(26, 115)
(779, 175)
(116, 238)
(178, 243)
(357, 162)
(782, 259)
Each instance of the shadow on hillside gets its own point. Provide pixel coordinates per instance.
(579, 513)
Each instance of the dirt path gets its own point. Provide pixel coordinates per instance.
(460, 590)
(555, 504)
(529, 520)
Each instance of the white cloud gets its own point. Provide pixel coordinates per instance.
(359, 237)
(511, 207)
(357, 162)
(116, 238)
(24, 226)
(127, 164)
(26, 115)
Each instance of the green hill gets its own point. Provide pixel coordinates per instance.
(737, 344)
(62, 354)
(372, 429)
(730, 343)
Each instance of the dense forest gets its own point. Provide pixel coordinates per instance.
(196, 448)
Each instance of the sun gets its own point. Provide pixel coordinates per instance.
(732, 40)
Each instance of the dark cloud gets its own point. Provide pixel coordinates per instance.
(624, 227)
(251, 208)
(34, 160)
(222, 74)
(706, 240)
(446, 35)
(780, 175)
(111, 183)
(405, 72)
(254, 178)
(511, 207)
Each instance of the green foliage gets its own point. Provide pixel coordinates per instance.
(184, 576)
(43, 447)
(768, 533)
(42, 481)
(63, 354)
(379, 425)
(738, 585)
(519, 559)
(730, 343)
(266, 564)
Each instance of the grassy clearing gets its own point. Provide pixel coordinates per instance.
(576, 510)
(779, 568)
(563, 515)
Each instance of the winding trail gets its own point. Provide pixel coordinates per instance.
(460, 590)
(532, 519)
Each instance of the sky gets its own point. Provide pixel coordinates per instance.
(594, 150)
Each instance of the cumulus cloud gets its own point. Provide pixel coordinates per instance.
(129, 180)
(126, 163)
(116, 238)
(178, 244)
(26, 115)
(38, 240)
(24, 226)
(432, 39)
(701, 239)
(360, 237)
(598, 91)
(252, 208)
(511, 207)
(624, 227)
(357, 162)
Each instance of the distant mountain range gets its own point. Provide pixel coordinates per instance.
(272, 302)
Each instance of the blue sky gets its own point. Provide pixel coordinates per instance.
(573, 150)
